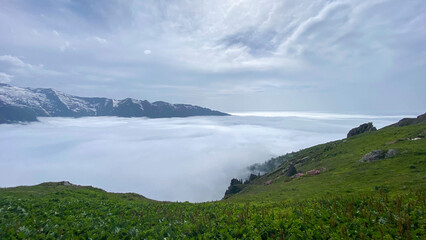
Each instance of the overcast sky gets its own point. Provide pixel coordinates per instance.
(342, 56)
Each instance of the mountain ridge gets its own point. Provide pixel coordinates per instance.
(18, 104)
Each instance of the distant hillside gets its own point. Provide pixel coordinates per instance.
(26, 104)
(396, 162)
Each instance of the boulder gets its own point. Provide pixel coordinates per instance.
(377, 155)
(373, 156)
(391, 153)
(235, 187)
(366, 127)
(290, 171)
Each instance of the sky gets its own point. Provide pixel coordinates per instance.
(177, 159)
(352, 56)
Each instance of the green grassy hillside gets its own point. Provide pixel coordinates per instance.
(344, 174)
(385, 199)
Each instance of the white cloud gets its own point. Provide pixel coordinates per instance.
(327, 43)
(180, 159)
(101, 40)
(17, 66)
(147, 52)
(64, 46)
(15, 61)
(5, 78)
(306, 24)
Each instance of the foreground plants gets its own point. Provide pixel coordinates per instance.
(88, 213)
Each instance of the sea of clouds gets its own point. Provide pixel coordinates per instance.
(175, 159)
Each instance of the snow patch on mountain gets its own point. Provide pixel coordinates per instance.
(48, 102)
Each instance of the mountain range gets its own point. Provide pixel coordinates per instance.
(19, 104)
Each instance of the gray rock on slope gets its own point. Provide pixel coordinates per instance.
(373, 156)
(377, 155)
(290, 171)
(410, 121)
(391, 153)
(366, 127)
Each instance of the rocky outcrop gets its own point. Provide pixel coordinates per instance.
(366, 127)
(391, 153)
(410, 121)
(377, 155)
(373, 156)
(66, 183)
(235, 187)
(61, 183)
(290, 171)
(253, 177)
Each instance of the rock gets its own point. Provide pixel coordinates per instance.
(373, 156)
(66, 183)
(61, 183)
(410, 121)
(235, 187)
(235, 181)
(378, 154)
(366, 127)
(391, 153)
(252, 177)
(290, 171)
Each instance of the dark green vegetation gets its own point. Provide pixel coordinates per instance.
(69, 212)
(384, 199)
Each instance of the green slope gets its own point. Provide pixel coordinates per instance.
(54, 211)
(344, 174)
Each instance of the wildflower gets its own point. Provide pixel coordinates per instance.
(297, 175)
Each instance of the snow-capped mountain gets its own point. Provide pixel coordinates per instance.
(25, 104)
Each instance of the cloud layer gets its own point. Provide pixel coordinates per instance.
(178, 159)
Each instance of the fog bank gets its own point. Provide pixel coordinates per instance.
(175, 159)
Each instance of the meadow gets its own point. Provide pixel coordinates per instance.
(52, 211)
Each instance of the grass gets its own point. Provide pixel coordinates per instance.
(66, 212)
(345, 175)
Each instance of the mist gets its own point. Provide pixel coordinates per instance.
(175, 159)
